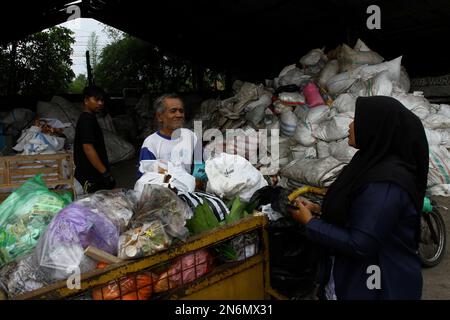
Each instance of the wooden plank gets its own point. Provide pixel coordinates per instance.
(32, 171)
(37, 157)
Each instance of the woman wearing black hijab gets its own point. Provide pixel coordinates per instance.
(370, 219)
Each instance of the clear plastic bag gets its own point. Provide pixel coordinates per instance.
(117, 205)
(160, 203)
(143, 241)
(60, 250)
(22, 275)
(24, 215)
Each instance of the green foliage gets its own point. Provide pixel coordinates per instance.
(38, 64)
(237, 210)
(131, 62)
(202, 220)
(78, 84)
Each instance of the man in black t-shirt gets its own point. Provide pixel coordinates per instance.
(91, 160)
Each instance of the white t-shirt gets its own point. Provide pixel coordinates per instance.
(159, 149)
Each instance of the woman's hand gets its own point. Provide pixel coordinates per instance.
(311, 206)
(302, 215)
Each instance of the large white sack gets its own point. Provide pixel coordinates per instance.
(232, 175)
(445, 137)
(301, 152)
(350, 59)
(117, 148)
(439, 166)
(417, 103)
(434, 137)
(304, 134)
(323, 149)
(404, 84)
(436, 121)
(393, 67)
(444, 110)
(294, 76)
(379, 85)
(313, 57)
(333, 129)
(331, 69)
(439, 137)
(361, 46)
(345, 103)
(288, 123)
(317, 114)
(342, 81)
(287, 69)
(265, 100)
(301, 112)
(314, 172)
(341, 150)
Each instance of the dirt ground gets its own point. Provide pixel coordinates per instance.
(436, 280)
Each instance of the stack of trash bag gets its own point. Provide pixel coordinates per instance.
(307, 109)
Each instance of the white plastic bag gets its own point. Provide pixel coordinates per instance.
(232, 175)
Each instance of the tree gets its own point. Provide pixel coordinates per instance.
(40, 64)
(114, 34)
(94, 49)
(131, 62)
(77, 85)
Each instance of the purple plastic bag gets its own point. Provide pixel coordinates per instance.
(78, 224)
(61, 249)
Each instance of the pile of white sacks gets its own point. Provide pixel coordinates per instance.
(312, 103)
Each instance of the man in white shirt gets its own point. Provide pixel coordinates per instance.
(171, 142)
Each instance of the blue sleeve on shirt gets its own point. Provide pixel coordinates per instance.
(373, 216)
(145, 154)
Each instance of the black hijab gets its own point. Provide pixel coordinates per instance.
(392, 147)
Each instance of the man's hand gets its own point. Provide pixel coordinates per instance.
(108, 180)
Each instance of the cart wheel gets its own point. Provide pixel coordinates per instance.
(432, 239)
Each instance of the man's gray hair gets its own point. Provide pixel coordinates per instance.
(159, 106)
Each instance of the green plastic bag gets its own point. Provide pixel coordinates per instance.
(25, 215)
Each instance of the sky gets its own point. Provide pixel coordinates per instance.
(83, 27)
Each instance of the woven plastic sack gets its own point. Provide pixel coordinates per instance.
(314, 172)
